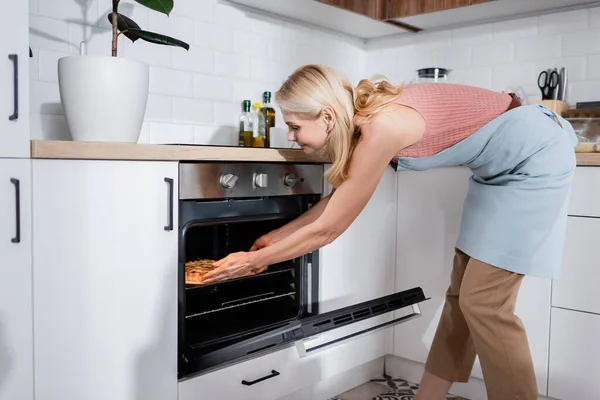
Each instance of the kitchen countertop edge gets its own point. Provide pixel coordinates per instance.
(588, 159)
(59, 149)
(66, 149)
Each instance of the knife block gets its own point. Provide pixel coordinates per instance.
(557, 106)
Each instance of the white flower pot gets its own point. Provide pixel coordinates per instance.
(104, 98)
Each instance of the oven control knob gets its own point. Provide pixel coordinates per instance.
(290, 180)
(260, 180)
(228, 181)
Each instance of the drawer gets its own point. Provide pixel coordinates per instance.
(585, 196)
(293, 373)
(574, 362)
(577, 288)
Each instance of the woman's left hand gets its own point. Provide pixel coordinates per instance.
(235, 265)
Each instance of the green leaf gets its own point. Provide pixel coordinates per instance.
(163, 6)
(159, 39)
(124, 24)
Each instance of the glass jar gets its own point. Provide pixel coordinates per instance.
(432, 75)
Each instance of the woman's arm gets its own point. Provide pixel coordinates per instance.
(368, 164)
(306, 218)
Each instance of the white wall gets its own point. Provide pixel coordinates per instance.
(503, 56)
(195, 96)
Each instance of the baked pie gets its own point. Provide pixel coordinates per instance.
(197, 269)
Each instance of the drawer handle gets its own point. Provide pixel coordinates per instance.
(169, 227)
(15, 59)
(17, 238)
(264, 378)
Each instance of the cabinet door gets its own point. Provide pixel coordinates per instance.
(430, 207)
(585, 193)
(16, 332)
(105, 280)
(357, 267)
(574, 362)
(577, 288)
(14, 81)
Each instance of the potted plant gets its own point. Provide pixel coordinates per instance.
(104, 97)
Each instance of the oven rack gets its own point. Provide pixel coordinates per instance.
(272, 296)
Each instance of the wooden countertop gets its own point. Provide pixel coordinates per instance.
(131, 151)
(588, 159)
(55, 149)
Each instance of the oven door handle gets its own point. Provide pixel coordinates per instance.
(303, 351)
(331, 320)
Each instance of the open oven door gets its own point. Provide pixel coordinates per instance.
(317, 324)
(298, 331)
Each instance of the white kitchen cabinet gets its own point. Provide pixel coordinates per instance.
(338, 19)
(105, 250)
(429, 211)
(14, 81)
(574, 362)
(360, 266)
(16, 331)
(430, 206)
(265, 378)
(585, 194)
(577, 288)
(317, 14)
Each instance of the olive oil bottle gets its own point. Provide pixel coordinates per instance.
(258, 126)
(269, 112)
(245, 132)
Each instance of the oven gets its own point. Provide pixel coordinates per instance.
(224, 208)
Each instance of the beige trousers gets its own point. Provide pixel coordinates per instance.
(478, 318)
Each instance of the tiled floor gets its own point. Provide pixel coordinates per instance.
(385, 389)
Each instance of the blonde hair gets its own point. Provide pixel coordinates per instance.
(312, 87)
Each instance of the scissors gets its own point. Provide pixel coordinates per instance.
(547, 82)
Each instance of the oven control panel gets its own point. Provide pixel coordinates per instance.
(228, 181)
(261, 180)
(235, 180)
(290, 180)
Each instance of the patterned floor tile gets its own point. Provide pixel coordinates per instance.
(399, 389)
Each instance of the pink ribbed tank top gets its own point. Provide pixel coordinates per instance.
(451, 112)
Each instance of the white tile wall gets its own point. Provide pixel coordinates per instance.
(193, 111)
(194, 96)
(504, 56)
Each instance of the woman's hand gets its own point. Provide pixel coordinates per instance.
(235, 265)
(262, 242)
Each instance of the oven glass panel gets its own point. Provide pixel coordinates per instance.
(229, 310)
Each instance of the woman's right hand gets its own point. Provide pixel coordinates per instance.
(263, 241)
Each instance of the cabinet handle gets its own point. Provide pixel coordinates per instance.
(15, 59)
(17, 238)
(169, 227)
(264, 378)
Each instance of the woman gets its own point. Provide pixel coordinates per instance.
(514, 217)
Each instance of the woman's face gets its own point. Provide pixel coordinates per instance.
(309, 134)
